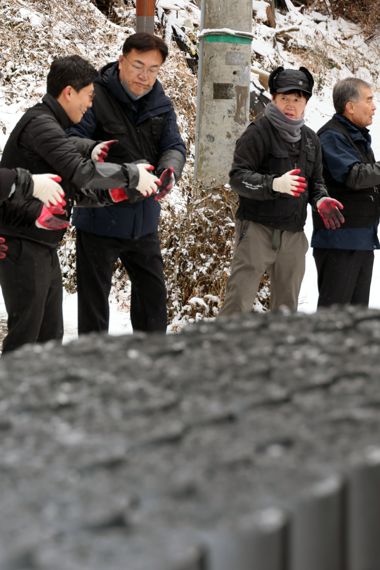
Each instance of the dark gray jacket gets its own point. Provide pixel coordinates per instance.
(261, 155)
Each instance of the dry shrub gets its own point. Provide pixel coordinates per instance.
(197, 247)
(363, 12)
(366, 13)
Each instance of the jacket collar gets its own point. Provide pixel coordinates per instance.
(356, 133)
(57, 110)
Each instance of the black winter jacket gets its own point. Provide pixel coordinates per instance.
(261, 155)
(40, 144)
(359, 193)
(7, 179)
(147, 131)
(15, 185)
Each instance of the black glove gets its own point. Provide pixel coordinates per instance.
(167, 181)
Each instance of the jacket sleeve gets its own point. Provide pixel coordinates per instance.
(172, 147)
(84, 146)
(95, 198)
(316, 184)
(245, 176)
(47, 139)
(16, 187)
(7, 179)
(363, 175)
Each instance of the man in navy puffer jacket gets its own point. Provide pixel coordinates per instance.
(130, 107)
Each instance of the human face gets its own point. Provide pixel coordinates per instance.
(361, 112)
(291, 105)
(138, 70)
(76, 103)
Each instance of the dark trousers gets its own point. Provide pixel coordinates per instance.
(31, 283)
(96, 256)
(344, 276)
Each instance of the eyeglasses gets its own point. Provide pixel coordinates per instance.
(140, 68)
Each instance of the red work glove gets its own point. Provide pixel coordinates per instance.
(290, 183)
(48, 219)
(118, 194)
(328, 209)
(167, 181)
(100, 151)
(3, 248)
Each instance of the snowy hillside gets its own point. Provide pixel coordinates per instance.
(35, 31)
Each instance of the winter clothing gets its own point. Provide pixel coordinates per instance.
(349, 165)
(260, 155)
(284, 80)
(7, 180)
(275, 241)
(143, 262)
(344, 276)
(254, 254)
(16, 184)
(352, 176)
(146, 129)
(31, 284)
(290, 129)
(39, 143)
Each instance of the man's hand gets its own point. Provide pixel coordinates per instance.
(167, 181)
(100, 151)
(48, 219)
(147, 184)
(329, 210)
(290, 183)
(46, 189)
(3, 248)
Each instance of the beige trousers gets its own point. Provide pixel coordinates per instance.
(259, 248)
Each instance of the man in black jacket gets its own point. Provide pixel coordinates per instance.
(130, 106)
(344, 258)
(30, 276)
(277, 171)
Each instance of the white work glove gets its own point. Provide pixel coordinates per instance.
(101, 150)
(148, 182)
(46, 189)
(290, 183)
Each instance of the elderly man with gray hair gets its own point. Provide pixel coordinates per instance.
(344, 257)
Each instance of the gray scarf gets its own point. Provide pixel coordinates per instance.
(289, 129)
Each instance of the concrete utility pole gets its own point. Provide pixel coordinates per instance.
(223, 86)
(145, 16)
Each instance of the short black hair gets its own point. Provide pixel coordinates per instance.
(69, 70)
(143, 41)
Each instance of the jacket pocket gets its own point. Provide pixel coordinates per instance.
(241, 227)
